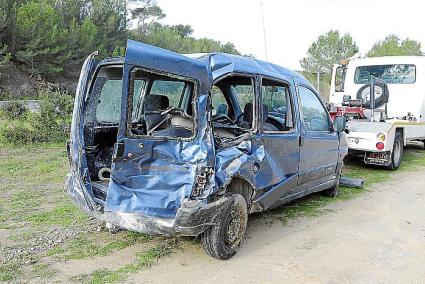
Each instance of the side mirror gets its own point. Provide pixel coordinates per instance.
(340, 123)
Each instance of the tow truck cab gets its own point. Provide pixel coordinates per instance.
(379, 129)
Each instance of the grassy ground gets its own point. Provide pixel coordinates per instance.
(44, 238)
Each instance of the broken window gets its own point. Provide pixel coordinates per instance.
(233, 111)
(219, 103)
(277, 106)
(108, 90)
(164, 108)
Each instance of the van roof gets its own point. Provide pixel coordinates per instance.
(245, 64)
(219, 63)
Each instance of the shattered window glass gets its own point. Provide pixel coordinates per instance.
(109, 105)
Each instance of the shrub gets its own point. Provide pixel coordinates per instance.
(14, 110)
(17, 132)
(52, 124)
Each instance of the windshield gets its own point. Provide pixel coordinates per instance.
(391, 74)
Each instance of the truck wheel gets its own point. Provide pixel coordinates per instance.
(223, 239)
(397, 152)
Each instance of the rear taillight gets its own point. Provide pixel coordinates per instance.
(380, 146)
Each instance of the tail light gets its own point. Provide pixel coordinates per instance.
(380, 146)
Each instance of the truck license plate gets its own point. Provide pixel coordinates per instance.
(382, 158)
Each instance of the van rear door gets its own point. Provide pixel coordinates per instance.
(153, 174)
(75, 147)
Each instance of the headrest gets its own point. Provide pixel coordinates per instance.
(154, 102)
(265, 112)
(221, 109)
(247, 113)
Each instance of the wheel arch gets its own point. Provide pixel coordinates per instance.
(403, 136)
(243, 187)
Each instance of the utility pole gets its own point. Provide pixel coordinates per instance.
(318, 82)
(264, 30)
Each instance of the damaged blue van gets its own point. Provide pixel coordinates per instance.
(163, 143)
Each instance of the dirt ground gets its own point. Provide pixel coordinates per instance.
(376, 237)
(374, 234)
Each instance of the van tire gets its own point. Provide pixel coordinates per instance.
(223, 239)
(333, 191)
(397, 153)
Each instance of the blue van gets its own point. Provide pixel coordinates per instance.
(171, 144)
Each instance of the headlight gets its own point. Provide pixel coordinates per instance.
(381, 137)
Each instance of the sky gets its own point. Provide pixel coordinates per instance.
(291, 26)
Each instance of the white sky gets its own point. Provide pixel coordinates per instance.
(291, 26)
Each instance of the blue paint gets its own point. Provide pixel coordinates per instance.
(158, 179)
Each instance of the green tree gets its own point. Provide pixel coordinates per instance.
(4, 57)
(41, 37)
(392, 45)
(177, 38)
(329, 49)
(146, 12)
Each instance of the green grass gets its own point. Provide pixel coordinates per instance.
(10, 271)
(100, 245)
(144, 260)
(63, 215)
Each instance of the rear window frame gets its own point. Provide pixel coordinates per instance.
(130, 91)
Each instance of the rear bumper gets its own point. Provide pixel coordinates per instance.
(192, 218)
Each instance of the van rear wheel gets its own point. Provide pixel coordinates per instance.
(223, 239)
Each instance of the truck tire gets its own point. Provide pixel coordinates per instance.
(397, 152)
(223, 239)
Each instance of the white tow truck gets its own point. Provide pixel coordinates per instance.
(380, 122)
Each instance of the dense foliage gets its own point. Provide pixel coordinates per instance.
(327, 50)
(52, 124)
(48, 35)
(392, 45)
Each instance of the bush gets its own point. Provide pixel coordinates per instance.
(17, 133)
(52, 124)
(14, 110)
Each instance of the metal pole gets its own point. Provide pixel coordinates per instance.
(318, 82)
(372, 99)
(264, 30)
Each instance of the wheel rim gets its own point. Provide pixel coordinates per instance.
(397, 152)
(233, 228)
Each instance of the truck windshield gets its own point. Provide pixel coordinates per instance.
(391, 74)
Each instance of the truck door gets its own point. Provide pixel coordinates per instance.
(337, 92)
(319, 143)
